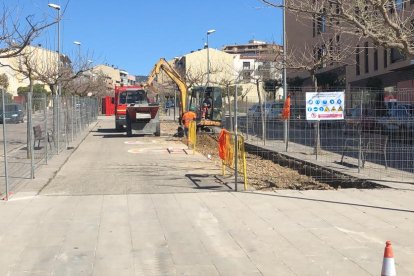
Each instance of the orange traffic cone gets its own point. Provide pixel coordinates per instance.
(388, 265)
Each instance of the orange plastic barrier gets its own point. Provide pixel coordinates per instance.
(226, 150)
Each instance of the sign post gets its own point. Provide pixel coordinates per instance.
(323, 106)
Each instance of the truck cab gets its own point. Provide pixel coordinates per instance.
(135, 111)
(124, 95)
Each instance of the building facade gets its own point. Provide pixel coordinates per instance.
(114, 76)
(43, 60)
(363, 63)
(258, 60)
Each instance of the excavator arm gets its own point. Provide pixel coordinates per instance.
(163, 65)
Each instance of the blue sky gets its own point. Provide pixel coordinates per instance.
(133, 35)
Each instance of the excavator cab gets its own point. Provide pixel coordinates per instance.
(209, 105)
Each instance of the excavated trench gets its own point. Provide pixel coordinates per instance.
(333, 178)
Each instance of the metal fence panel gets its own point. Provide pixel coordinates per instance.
(375, 138)
(44, 128)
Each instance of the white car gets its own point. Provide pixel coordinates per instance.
(255, 111)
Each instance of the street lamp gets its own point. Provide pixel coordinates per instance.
(57, 8)
(208, 57)
(286, 138)
(79, 51)
(59, 91)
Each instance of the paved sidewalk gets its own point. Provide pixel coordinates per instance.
(126, 206)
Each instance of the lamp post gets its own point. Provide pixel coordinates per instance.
(57, 8)
(286, 125)
(209, 32)
(79, 51)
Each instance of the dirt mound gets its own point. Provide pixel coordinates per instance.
(262, 173)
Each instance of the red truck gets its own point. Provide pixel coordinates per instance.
(135, 112)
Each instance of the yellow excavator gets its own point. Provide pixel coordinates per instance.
(207, 101)
(163, 65)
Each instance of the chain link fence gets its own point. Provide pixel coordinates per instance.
(373, 142)
(35, 129)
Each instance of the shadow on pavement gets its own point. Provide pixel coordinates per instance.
(336, 202)
(107, 130)
(115, 135)
(204, 181)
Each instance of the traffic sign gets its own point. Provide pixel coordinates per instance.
(325, 105)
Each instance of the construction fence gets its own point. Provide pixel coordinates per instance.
(35, 128)
(373, 141)
(232, 156)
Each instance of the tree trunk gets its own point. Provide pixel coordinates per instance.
(228, 100)
(261, 109)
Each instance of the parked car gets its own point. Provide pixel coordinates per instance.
(169, 104)
(14, 113)
(397, 120)
(275, 111)
(357, 119)
(255, 111)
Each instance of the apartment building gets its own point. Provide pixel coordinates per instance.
(44, 60)
(258, 60)
(193, 66)
(367, 65)
(115, 76)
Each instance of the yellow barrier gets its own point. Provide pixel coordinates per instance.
(226, 153)
(192, 136)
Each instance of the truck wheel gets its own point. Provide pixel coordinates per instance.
(119, 127)
(128, 127)
(158, 131)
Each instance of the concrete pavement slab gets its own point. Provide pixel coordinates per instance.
(111, 212)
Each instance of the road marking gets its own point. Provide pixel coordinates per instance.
(360, 234)
(134, 143)
(149, 150)
(139, 142)
(135, 150)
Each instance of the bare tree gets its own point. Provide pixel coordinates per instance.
(88, 83)
(49, 73)
(4, 81)
(16, 34)
(386, 22)
(314, 58)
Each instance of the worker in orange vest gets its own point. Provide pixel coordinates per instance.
(187, 118)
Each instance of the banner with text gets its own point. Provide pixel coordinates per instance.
(325, 105)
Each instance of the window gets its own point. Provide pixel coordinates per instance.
(399, 4)
(322, 22)
(375, 59)
(246, 76)
(133, 96)
(314, 25)
(366, 57)
(246, 65)
(357, 62)
(412, 28)
(338, 45)
(396, 55)
(385, 58)
(320, 56)
(331, 50)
